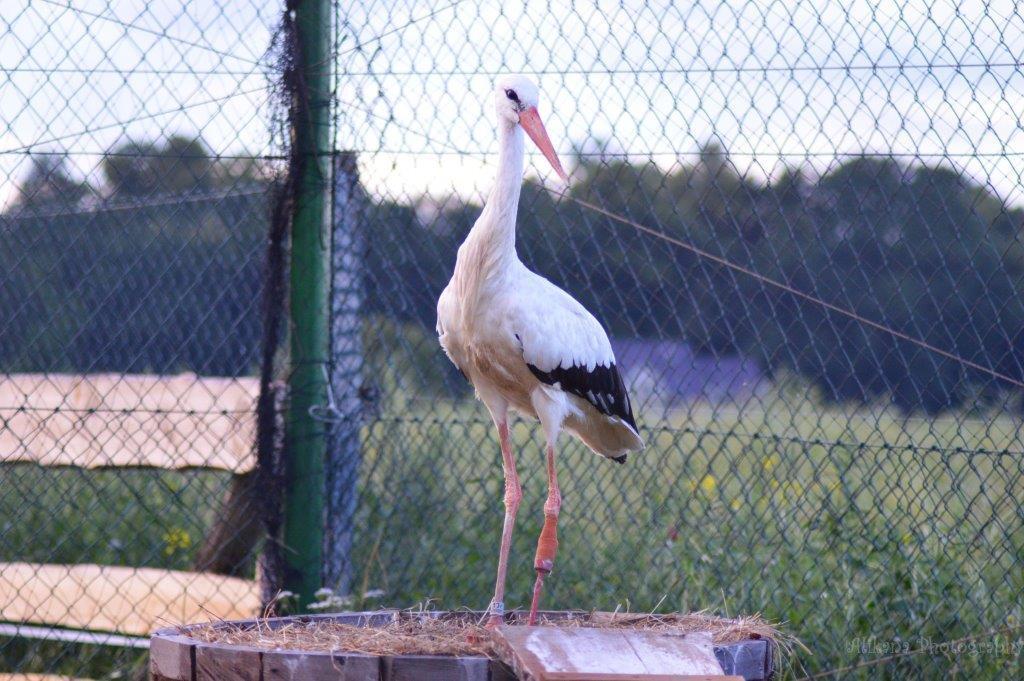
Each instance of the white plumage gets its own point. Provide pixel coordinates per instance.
(524, 343)
(556, 330)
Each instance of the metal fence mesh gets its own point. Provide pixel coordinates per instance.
(858, 487)
(800, 464)
(134, 178)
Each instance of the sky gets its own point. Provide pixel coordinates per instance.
(82, 80)
(775, 83)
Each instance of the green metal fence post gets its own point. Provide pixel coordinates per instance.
(310, 257)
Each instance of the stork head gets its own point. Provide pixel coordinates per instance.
(516, 98)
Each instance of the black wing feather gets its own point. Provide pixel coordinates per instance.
(601, 386)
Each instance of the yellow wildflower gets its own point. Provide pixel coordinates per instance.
(176, 539)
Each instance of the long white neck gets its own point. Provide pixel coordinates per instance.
(503, 202)
(489, 251)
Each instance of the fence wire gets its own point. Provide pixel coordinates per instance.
(135, 175)
(823, 471)
(862, 489)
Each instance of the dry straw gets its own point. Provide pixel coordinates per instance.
(461, 633)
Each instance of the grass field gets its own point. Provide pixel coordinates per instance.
(113, 517)
(862, 531)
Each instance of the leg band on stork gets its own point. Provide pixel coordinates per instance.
(547, 543)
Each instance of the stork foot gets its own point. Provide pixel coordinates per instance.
(538, 586)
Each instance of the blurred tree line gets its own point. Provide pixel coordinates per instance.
(156, 269)
(122, 278)
(133, 169)
(922, 250)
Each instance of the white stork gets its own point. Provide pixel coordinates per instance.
(525, 344)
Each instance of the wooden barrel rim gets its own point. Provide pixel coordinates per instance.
(175, 656)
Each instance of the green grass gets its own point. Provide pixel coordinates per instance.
(127, 516)
(851, 526)
(110, 517)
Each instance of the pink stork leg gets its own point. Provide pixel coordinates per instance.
(547, 544)
(513, 495)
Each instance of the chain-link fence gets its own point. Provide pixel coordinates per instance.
(855, 477)
(815, 468)
(135, 167)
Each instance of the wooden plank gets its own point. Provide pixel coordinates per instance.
(216, 662)
(549, 653)
(171, 656)
(296, 665)
(105, 420)
(434, 668)
(126, 600)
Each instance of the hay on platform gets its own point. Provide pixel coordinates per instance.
(460, 634)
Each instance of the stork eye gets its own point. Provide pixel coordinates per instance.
(511, 94)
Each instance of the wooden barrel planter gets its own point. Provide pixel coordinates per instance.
(174, 655)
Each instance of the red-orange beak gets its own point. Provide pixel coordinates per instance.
(530, 120)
